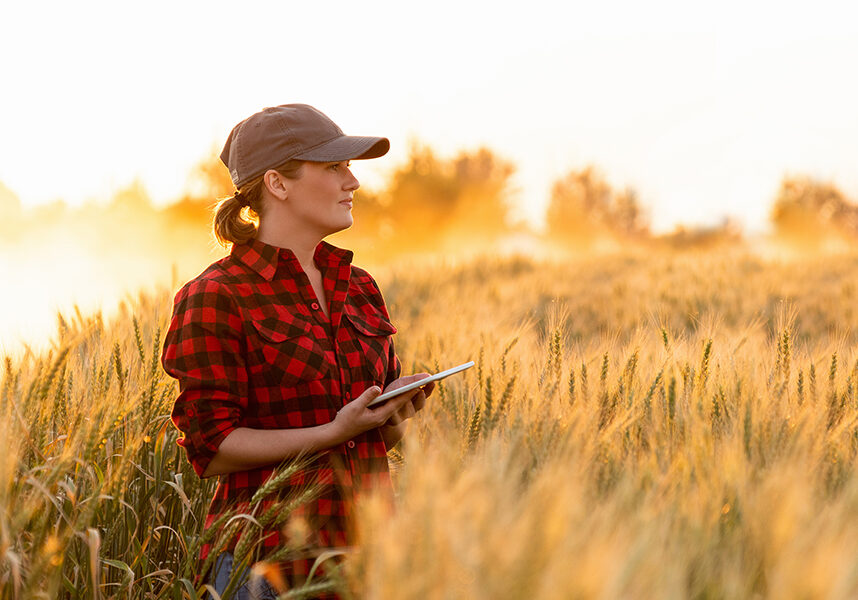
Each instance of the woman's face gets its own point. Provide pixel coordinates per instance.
(321, 197)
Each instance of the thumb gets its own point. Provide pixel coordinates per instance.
(369, 395)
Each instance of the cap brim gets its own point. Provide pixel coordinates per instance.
(347, 147)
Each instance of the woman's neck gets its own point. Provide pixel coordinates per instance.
(302, 243)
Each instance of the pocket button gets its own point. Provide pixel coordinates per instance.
(351, 444)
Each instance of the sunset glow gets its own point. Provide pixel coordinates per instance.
(701, 112)
(638, 221)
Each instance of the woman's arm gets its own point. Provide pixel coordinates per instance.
(245, 448)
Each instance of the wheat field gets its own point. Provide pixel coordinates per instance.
(638, 425)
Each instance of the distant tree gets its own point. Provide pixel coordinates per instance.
(421, 197)
(484, 198)
(431, 200)
(807, 210)
(583, 206)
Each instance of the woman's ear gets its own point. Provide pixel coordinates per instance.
(277, 185)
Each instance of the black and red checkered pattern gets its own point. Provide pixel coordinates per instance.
(251, 347)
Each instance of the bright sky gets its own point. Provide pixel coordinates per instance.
(702, 109)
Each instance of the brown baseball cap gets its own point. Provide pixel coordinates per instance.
(276, 134)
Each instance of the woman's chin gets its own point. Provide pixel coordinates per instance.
(342, 226)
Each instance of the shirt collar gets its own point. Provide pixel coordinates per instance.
(332, 255)
(265, 258)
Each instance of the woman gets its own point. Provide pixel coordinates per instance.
(280, 346)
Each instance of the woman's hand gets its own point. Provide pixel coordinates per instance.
(417, 398)
(394, 429)
(356, 417)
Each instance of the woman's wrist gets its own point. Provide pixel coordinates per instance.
(333, 433)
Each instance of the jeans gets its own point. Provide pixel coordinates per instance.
(256, 588)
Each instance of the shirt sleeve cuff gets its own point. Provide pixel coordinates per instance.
(200, 456)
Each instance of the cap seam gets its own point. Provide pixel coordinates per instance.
(286, 130)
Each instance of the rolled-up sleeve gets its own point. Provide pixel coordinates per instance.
(204, 351)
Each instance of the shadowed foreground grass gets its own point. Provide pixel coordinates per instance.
(663, 426)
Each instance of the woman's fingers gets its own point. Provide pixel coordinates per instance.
(389, 408)
(418, 402)
(401, 407)
(407, 379)
(369, 395)
(407, 411)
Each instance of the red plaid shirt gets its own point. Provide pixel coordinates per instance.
(251, 347)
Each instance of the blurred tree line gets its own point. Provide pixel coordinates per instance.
(428, 204)
(431, 204)
(808, 212)
(584, 207)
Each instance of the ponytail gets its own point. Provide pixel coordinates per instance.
(232, 223)
(236, 217)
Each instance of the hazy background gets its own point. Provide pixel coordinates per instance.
(694, 119)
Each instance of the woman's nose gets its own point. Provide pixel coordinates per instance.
(352, 183)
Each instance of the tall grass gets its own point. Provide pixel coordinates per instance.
(663, 426)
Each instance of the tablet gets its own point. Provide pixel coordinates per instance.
(417, 384)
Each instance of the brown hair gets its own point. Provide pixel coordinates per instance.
(236, 222)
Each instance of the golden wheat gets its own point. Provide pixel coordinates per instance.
(653, 425)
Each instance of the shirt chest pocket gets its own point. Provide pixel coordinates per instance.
(285, 352)
(370, 333)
